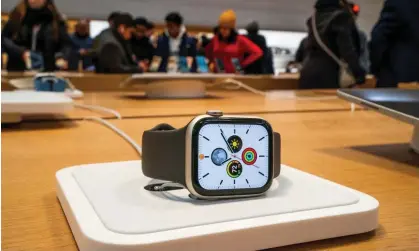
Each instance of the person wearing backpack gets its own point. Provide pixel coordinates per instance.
(333, 47)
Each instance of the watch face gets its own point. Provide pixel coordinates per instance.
(232, 157)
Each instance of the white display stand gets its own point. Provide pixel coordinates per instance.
(28, 85)
(176, 85)
(108, 209)
(14, 104)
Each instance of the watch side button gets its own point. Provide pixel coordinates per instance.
(215, 113)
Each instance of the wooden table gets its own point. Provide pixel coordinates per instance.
(363, 150)
(93, 82)
(136, 105)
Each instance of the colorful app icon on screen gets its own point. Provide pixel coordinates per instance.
(234, 169)
(249, 156)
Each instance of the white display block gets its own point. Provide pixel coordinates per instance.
(33, 102)
(175, 88)
(176, 85)
(108, 209)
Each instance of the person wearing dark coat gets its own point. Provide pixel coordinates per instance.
(269, 62)
(365, 56)
(337, 29)
(150, 28)
(175, 41)
(111, 18)
(301, 51)
(394, 46)
(261, 65)
(82, 45)
(141, 44)
(113, 48)
(37, 28)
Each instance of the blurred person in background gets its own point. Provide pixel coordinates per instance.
(175, 42)
(36, 28)
(269, 62)
(150, 33)
(263, 64)
(296, 65)
(394, 46)
(83, 44)
(150, 29)
(301, 51)
(111, 18)
(203, 41)
(337, 29)
(114, 53)
(227, 45)
(364, 56)
(141, 44)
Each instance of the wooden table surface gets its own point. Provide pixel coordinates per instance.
(135, 105)
(362, 150)
(89, 81)
(92, 82)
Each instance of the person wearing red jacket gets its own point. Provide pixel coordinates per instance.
(228, 48)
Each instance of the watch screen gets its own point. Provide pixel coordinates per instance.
(233, 156)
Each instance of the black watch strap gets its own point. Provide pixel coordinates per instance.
(163, 155)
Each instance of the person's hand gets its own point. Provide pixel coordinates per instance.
(143, 65)
(61, 63)
(82, 52)
(26, 55)
(211, 67)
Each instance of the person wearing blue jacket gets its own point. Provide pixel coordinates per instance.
(175, 41)
(83, 44)
(394, 46)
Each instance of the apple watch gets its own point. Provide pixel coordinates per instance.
(215, 156)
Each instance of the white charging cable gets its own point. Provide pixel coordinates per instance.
(167, 186)
(118, 131)
(99, 108)
(233, 84)
(106, 123)
(126, 81)
(70, 85)
(158, 188)
(236, 84)
(92, 107)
